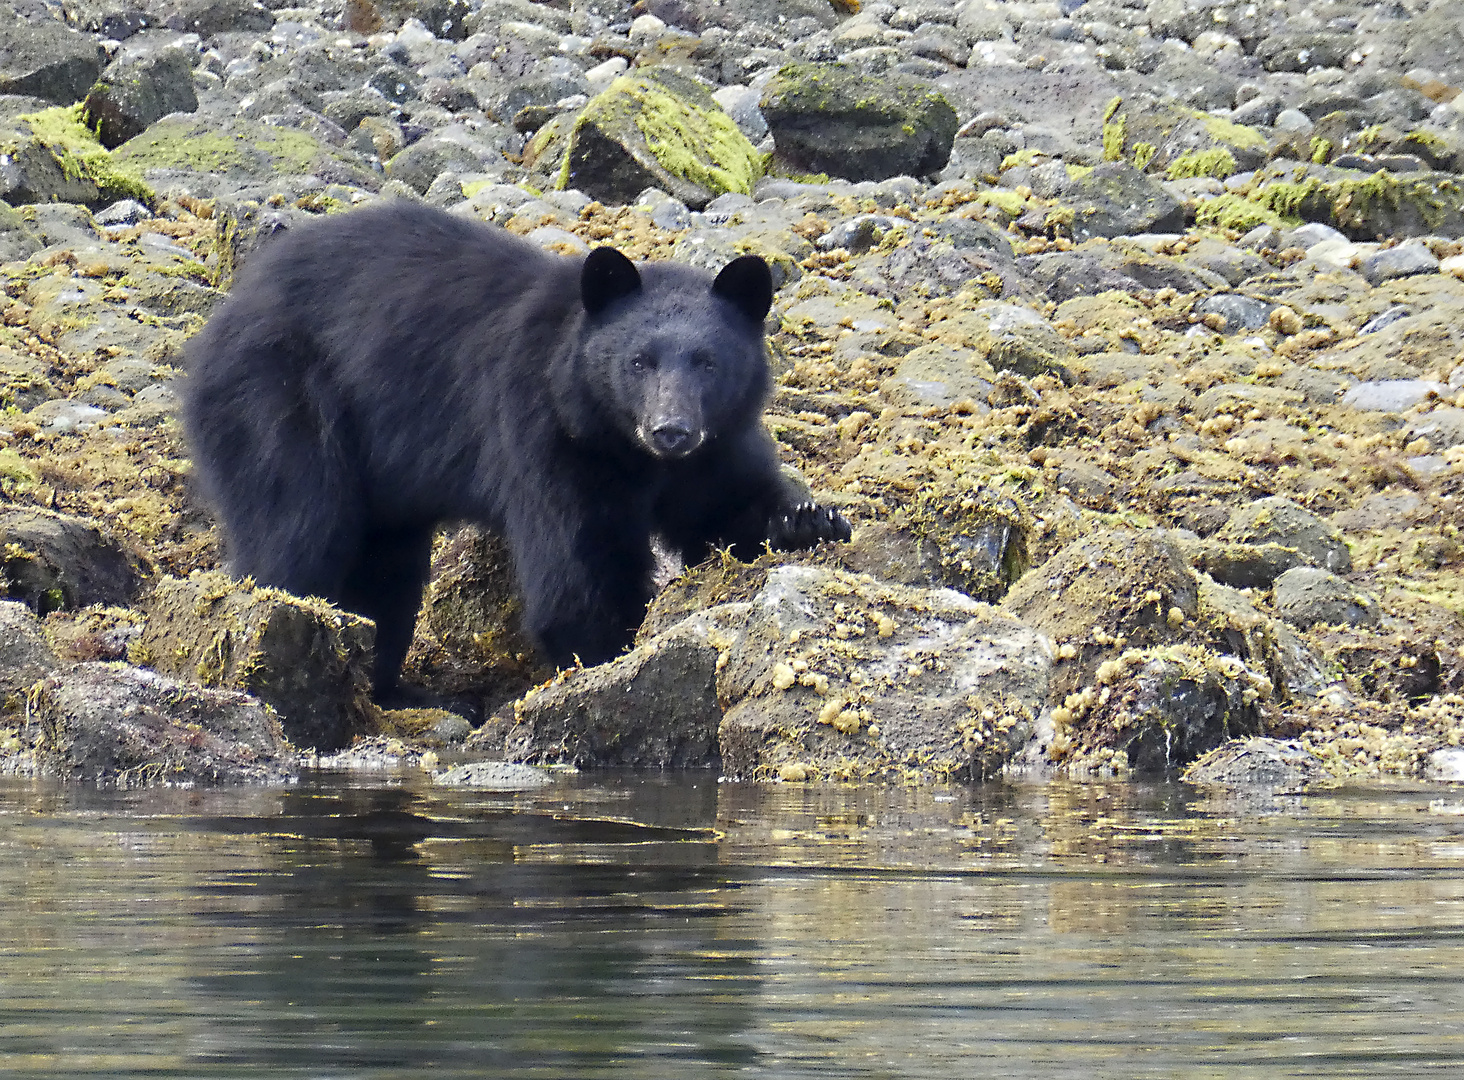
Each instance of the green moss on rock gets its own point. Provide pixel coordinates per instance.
(82, 157)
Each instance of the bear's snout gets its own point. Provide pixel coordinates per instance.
(671, 438)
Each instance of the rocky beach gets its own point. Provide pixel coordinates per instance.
(1128, 336)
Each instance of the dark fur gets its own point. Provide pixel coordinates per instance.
(376, 374)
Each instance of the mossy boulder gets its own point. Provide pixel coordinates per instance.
(1116, 199)
(654, 128)
(1179, 142)
(310, 661)
(1376, 206)
(241, 149)
(136, 91)
(52, 156)
(54, 561)
(45, 60)
(115, 724)
(828, 118)
(470, 644)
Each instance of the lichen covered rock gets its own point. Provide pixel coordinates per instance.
(656, 129)
(827, 118)
(306, 659)
(113, 724)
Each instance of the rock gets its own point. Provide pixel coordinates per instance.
(1308, 595)
(1243, 566)
(848, 677)
(242, 228)
(1301, 52)
(1396, 262)
(1115, 199)
(1443, 428)
(209, 17)
(113, 724)
(494, 776)
(1277, 520)
(447, 150)
(242, 150)
(1237, 313)
(1008, 337)
(658, 130)
(25, 655)
(135, 91)
(1392, 395)
(827, 119)
(939, 375)
(55, 561)
(654, 707)
(1258, 764)
(306, 659)
(46, 60)
(1446, 763)
(981, 544)
(50, 156)
(469, 644)
(1105, 592)
(1179, 142)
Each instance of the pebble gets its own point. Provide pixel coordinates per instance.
(1404, 260)
(1392, 395)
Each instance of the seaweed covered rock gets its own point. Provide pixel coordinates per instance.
(469, 643)
(1116, 199)
(25, 655)
(655, 707)
(1104, 593)
(54, 561)
(828, 118)
(121, 725)
(837, 676)
(1179, 142)
(309, 661)
(1276, 520)
(654, 129)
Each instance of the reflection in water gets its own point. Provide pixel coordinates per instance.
(601, 928)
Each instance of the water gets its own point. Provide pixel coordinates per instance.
(616, 926)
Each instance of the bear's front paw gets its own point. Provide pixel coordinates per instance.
(805, 526)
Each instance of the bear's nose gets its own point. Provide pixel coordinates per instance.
(674, 438)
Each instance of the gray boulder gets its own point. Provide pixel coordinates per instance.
(827, 118)
(1116, 199)
(137, 91)
(1307, 595)
(47, 61)
(115, 724)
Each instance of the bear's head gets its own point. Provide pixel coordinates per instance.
(670, 355)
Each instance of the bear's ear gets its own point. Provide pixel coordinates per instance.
(606, 277)
(748, 284)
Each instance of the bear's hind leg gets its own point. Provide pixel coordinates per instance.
(385, 584)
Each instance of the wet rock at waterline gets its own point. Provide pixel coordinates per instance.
(307, 660)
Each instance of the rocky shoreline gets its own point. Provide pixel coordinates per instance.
(1129, 336)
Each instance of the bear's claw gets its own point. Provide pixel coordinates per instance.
(806, 525)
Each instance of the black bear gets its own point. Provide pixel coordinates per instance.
(375, 374)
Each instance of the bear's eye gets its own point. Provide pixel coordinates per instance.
(642, 362)
(705, 361)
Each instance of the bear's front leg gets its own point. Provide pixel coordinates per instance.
(585, 576)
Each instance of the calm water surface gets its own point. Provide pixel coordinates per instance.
(648, 927)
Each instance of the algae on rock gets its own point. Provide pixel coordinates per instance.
(308, 660)
(652, 129)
